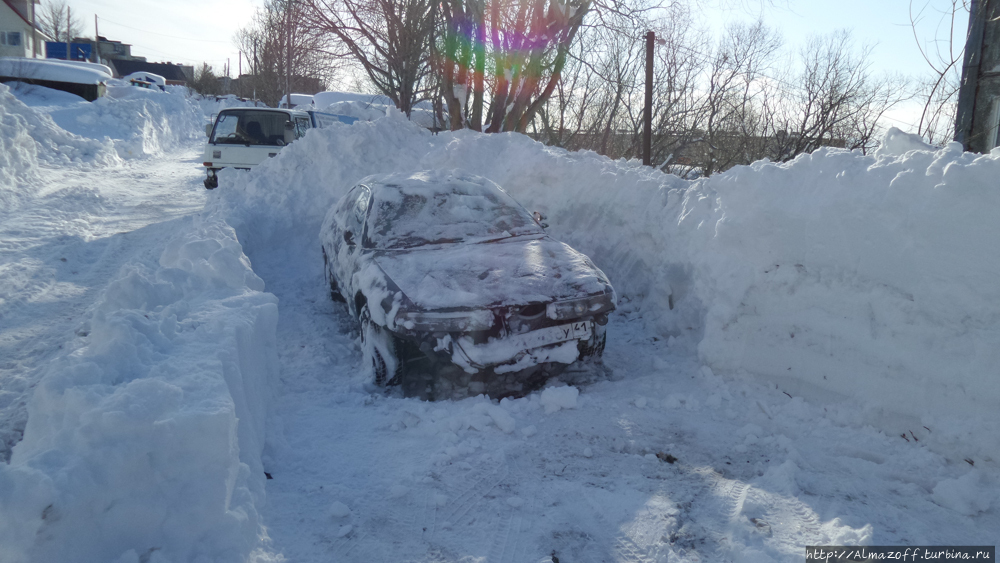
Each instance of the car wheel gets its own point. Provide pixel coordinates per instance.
(211, 182)
(379, 347)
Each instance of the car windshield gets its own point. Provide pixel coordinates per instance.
(406, 217)
(251, 127)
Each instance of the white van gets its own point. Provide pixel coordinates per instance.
(242, 138)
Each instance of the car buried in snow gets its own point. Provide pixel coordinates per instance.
(458, 289)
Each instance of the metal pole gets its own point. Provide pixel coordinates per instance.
(288, 54)
(97, 42)
(647, 116)
(68, 11)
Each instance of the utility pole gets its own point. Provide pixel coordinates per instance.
(288, 53)
(68, 11)
(969, 86)
(647, 114)
(97, 42)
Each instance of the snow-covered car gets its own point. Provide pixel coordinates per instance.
(458, 289)
(147, 78)
(242, 138)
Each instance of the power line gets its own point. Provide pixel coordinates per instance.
(163, 34)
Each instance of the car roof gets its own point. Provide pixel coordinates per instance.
(293, 112)
(428, 182)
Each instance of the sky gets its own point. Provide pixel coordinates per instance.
(191, 32)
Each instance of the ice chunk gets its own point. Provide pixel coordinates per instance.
(557, 398)
(339, 510)
(502, 418)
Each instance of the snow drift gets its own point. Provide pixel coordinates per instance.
(140, 122)
(29, 138)
(143, 443)
(837, 275)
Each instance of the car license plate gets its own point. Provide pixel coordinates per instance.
(582, 330)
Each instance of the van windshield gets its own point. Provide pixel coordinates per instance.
(252, 127)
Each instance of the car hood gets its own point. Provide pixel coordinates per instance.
(509, 272)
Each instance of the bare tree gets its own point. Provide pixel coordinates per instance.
(389, 39)
(838, 101)
(51, 20)
(943, 54)
(279, 34)
(734, 102)
(206, 82)
(524, 44)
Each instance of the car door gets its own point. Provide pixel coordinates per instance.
(348, 242)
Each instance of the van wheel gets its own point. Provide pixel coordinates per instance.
(211, 182)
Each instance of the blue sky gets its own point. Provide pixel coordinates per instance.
(884, 23)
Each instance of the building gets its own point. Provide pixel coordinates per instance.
(18, 36)
(115, 50)
(979, 96)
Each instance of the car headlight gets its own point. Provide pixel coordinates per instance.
(576, 308)
(453, 321)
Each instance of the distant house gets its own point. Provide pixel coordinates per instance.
(173, 74)
(115, 50)
(18, 37)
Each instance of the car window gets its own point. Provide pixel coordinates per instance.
(409, 217)
(253, 127)
(301, 126)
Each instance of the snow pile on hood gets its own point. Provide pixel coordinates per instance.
(144, 442)
(29, 137)
(837, 275)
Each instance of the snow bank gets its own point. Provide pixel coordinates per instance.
(143, 443)
(140, 122)
(29, 137)
(836, 275)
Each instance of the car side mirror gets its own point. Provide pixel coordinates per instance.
(540, 219)
(208, 129)
(349, 238)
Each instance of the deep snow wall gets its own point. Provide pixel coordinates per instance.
(838, 276)
(29, 138)
(144, 441)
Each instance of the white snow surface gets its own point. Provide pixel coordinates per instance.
(804, 354)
